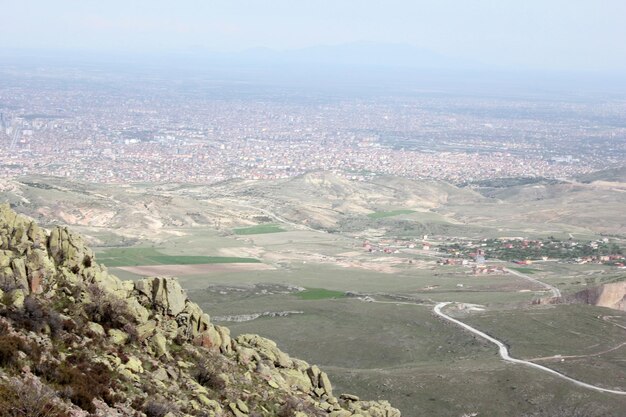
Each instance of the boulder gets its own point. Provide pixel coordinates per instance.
(96, 328)
(68, 249)
(245, 355)
(192, 321)
(224, 332)
(314, 374)
(138, 312)
(164, 293)
(236, 411)
(134, 365)
(160, 374)
(109, 283)
(325, 384)
(118, 337)
(297, 379)
(267, 349)
(146, 329)
(40, 269)
(210, 338)
(159, 344)
(19, 273)
(5, 258)
(15, 298)
(242, 406)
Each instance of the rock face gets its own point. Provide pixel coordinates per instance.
(135, 349)
(611, 295)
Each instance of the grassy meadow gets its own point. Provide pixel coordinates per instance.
(118, 257)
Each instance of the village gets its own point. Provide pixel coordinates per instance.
(483, 256)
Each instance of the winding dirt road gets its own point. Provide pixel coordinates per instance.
(504, 352)
(554, 290)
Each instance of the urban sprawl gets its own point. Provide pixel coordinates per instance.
(154, 136)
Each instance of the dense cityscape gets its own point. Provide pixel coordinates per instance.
(104, 131)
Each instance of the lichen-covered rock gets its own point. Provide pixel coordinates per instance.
(68, 250)
(96, 328)
(118, 337)
(147, 335)
(159, 344)
(164, 293)
(266, 348)
(226, 346)
(134, 365)
(38, 266)
(324, 384)
(297, 379)
(146, 329)
(139, 313)
(15, 298)
(210, 338)
(20, 279)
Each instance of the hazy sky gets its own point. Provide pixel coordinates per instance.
(541, 34)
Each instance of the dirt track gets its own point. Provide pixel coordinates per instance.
(183, 270)
(504, 353)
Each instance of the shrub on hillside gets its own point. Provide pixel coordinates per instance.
(29, 398)
(36, 317)
(295, 405)
(80, 381)
(159, 409)
(207, 373)
(106, 309)
(10, 346)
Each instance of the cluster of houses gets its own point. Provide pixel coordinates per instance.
(395, 245)
(615, 260)
(473, 253)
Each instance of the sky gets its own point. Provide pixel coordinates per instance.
(573, 35)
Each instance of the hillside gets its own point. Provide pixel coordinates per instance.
(610, 175)
(77, 341)
(319, 198)
(123, 215)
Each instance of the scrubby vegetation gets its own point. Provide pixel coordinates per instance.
(28, 398)
(81, 380)
(207, 373)
(258, 229)
(81, 341)
(319, 294)
(392, 213)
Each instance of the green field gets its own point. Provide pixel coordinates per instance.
(319, 294)
(383, 214)
(425, 366)
(394, 351)
(149, 256)
(523, 270)
(258, 229)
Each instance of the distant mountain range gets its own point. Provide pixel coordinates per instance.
(356, 54)
(360, 65)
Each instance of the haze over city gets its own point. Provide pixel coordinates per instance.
(565, 35)
(349, 208)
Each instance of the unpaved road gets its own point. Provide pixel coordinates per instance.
(504, 352)
(277, 218)
(554, 290)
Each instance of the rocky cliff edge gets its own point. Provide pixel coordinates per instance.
(77, 341)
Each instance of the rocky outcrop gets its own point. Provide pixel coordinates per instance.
(129, 348)
(612, 295)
